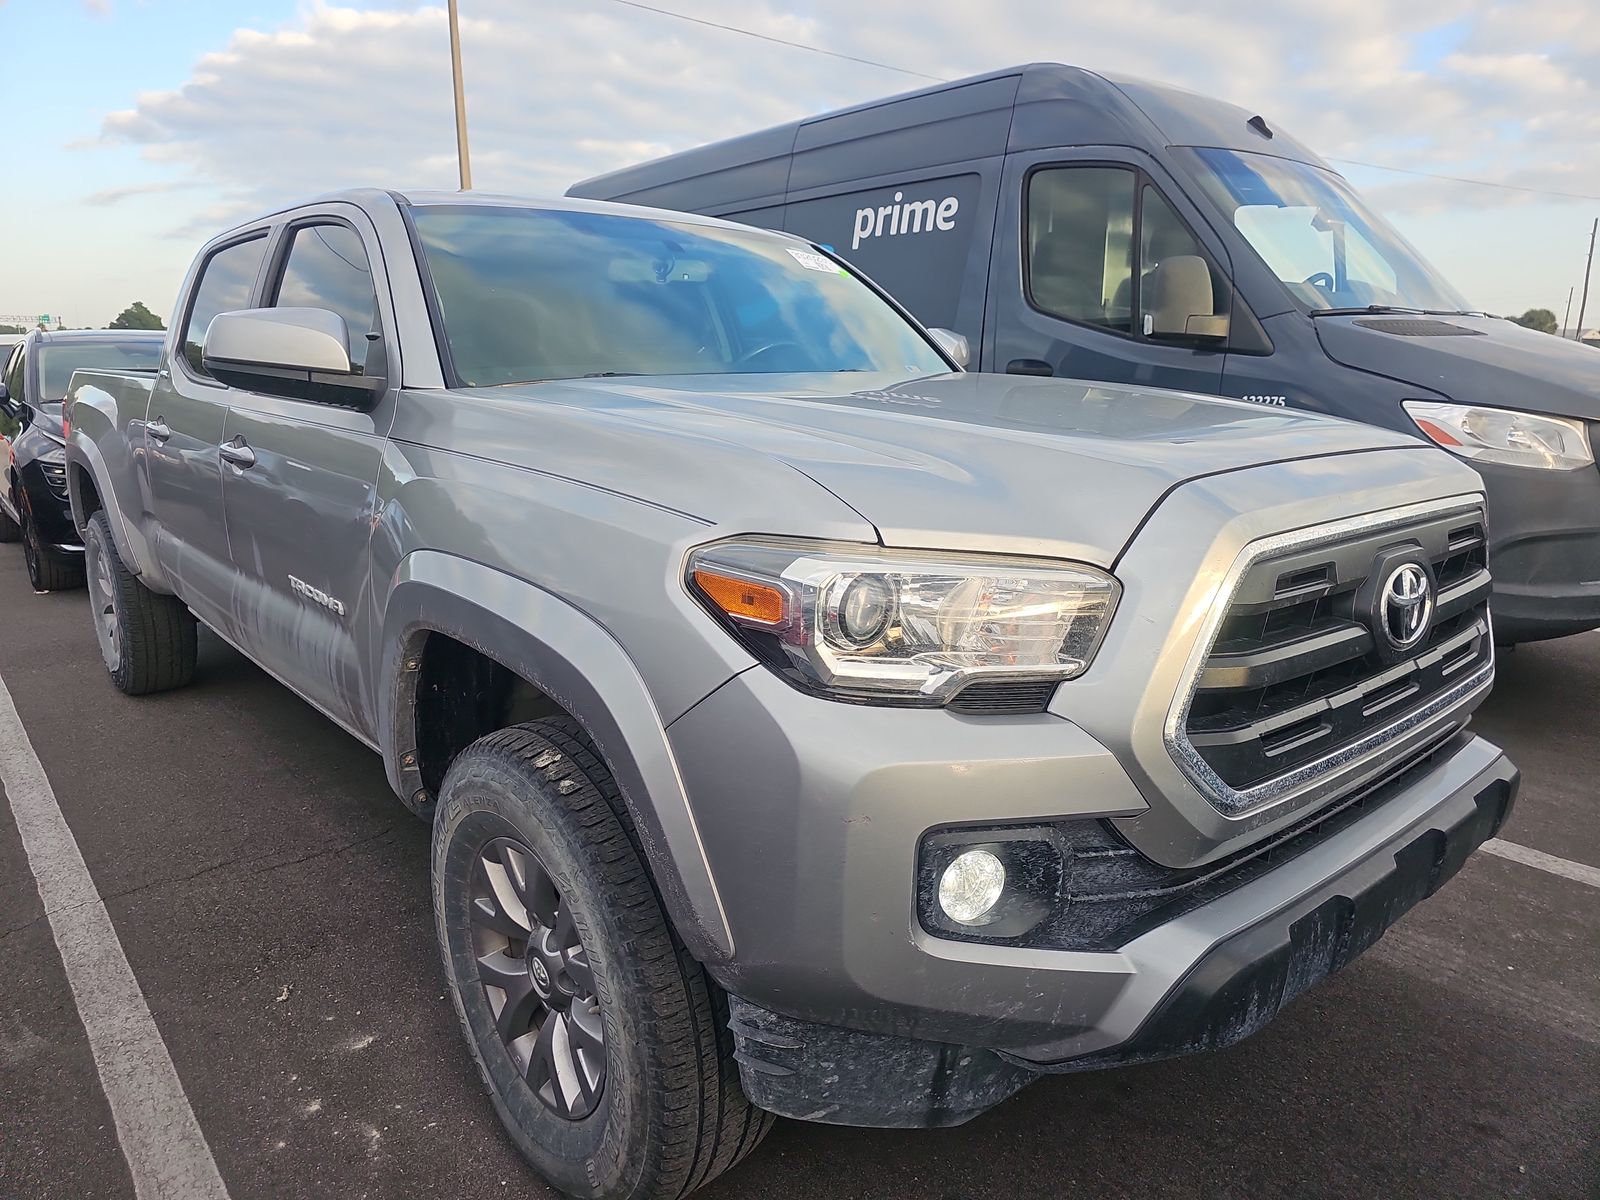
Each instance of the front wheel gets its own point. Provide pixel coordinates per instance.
(148, 641)
(604, 1045)
(48, 571)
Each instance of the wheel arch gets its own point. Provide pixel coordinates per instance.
(90, 489)
(584, 672)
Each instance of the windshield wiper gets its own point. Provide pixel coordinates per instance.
(609, 374)
(1364, 309)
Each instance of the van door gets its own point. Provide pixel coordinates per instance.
(299, 481)
(1098, 273)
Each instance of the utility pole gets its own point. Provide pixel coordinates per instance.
(1564, 320)
(462, 157)
(1587, 267)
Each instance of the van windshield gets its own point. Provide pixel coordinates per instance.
(1317, 234)
(533, 294)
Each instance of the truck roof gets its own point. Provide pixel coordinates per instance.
(1033, 106)
(370, 198)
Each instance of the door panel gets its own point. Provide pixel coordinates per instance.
(1076, 275)
(186, 533)
(184, 426)
(299, 519)
(299, 483)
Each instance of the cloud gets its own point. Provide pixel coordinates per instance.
(555, 92)
(117, 195)
(351, 95)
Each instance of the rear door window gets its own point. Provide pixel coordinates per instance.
(226, 281)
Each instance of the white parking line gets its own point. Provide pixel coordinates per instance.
(167, 1153)
(1563, 867)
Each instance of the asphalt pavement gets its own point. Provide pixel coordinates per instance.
(272, 899)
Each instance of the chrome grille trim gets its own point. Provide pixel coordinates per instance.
(1341, 768)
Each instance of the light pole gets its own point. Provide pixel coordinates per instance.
(462, 157)
(1588, 266)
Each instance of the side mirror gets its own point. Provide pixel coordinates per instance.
(300, 352)
(953, 344)
(1181, 303)
(8, 406)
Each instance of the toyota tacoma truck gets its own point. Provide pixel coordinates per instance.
(807, 726)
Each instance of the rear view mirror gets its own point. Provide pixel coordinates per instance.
(1180, 302)
(953, 344)
(301, 352)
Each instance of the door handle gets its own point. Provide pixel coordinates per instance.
(1029, 366)
(237, 453)
(157, 429)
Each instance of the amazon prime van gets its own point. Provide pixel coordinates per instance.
(1077, 224)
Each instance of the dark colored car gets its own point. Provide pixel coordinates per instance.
(33, 476)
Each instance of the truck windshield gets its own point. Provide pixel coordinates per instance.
(1317, 234)
(57, 363)
(532, 294)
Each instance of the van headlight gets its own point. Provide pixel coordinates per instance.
(875, 625)
(1502, 435)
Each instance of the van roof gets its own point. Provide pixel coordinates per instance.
(1035, 106)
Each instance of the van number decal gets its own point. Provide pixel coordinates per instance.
(1275, 401)
(904, 216)
(317, 596)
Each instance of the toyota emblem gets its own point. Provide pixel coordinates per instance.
(1406, 605)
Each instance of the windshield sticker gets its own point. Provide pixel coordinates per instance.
(815, 262)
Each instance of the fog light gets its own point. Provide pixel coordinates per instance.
(971, 886)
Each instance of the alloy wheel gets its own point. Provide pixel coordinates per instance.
(30, 549)
(536, 976)
(102, 600)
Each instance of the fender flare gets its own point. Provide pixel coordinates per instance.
(580, 665)
(131, 545)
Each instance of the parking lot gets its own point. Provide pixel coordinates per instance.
(272, 899)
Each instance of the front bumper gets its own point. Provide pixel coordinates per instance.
(1544, 550)
(50, 509)
(847, 1010)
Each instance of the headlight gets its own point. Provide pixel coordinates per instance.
(885, 626)
(1499, 435)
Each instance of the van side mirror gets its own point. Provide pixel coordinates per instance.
(298, 352)
(1181, 303)
(953, 344)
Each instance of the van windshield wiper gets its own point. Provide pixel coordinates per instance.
(1365, 309)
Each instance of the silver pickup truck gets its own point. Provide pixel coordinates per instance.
(807, 726)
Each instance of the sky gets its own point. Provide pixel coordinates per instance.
(135, 129)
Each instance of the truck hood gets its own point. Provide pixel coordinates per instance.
(1471, 360)
(967, 461)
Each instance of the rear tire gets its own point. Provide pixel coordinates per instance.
(659, 1109)
(148, 641)
(47, 570)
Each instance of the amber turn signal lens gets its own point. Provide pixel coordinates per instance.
(741, 598)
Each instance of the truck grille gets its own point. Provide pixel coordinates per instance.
(1312, 659)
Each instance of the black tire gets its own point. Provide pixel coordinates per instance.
(669, 1114)
(10, 531)
(47, 570)
(148, 641)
